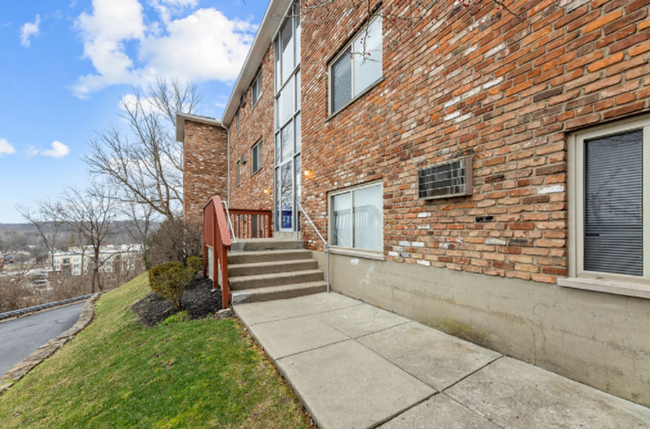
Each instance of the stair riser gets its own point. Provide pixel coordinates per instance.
(274, 281)
(269, 245)
(289, 266)
(285, 294)
(244, 258)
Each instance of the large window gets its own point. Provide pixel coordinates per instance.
(287, 120)
(256, 157)
(357, 67)
(257, 88)
(610, 218)
(356, 218)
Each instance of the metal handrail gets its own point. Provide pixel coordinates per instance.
(327, 246)
(232, 231)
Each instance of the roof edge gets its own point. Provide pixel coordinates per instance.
(271, 21)
(182, 117)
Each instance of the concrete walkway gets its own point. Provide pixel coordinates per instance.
(357, 366)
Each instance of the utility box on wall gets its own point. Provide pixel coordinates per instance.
(451, 179)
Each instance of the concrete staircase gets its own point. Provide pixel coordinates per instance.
(269, 269)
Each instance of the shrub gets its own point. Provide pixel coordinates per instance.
(176, 318)
(168, 280)
(175, 241)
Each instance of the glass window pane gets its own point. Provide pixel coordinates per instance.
(254, 94)
(341, 81)
(368, 228)
(287, 141)
(298, 133)
(278, 149)
(287, 49)
(613, 241)
(298, 176)
(278, 68)
(298, 90)
(342, 222)
(286, 194)
(286, 103)
(254, 160)
(297, 22)
(367, 56)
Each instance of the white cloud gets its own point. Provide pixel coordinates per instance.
(203, 46)
(59, 150)
(28, 30)
(6, 148)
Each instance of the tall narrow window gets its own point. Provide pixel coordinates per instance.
(358, 66)
(287, 120)
(256, 157)
(610, 202)
(237, 121)
(238, 173)
(257, 88)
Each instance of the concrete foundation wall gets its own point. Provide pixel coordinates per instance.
(599, 339)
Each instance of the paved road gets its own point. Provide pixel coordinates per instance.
(21, 337)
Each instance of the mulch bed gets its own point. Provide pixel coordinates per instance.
(198, 300)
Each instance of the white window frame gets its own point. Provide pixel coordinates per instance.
(257, 82)
(353, 251)
(257, 146)
(579, 277)
(342, 52)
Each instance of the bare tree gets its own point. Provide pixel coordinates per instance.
(140, 226)
(146, 166)
(91, 212)
(49, 221)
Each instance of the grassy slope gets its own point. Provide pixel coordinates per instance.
(116, 373)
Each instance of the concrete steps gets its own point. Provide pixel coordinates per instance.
(238, 270)
(270, 269)
(278, 292)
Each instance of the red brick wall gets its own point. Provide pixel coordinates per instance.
(205, 152)
(255, 123)
(475, 81)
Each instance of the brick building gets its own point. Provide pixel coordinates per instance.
(534, 117)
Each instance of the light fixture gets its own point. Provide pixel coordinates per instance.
(308, 173)
(267, 191)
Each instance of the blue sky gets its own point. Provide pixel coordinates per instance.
(67, 64)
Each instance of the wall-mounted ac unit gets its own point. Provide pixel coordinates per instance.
(242, 160)
(451, 179)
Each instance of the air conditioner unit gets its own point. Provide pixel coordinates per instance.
(242, 160)
(451, 179)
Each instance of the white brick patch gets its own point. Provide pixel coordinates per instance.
(551, 189)
(417, 244)
(393, 254)
(424, 214)
(495, 50)
(452, 116)
(422, 262)
(452, 102)
(463, 118)
(405, 243)
(495, 242)
(491, 83)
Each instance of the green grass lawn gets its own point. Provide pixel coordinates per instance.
(117, 373)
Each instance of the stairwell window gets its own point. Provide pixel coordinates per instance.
(238, 173)
(256, 157)
(257, 88)
(356, 218)
(358, 67)
(609, 173)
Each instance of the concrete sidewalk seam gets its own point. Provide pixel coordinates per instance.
(295, 317)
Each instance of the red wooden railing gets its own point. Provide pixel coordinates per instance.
(251, 223)
(216, 236)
